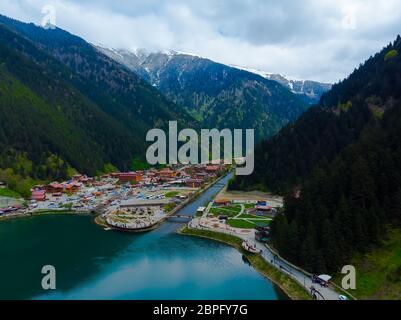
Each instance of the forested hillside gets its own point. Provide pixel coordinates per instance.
(344, 206)
(118, 92)
(63, 105)
(346, 157)
(322, 132)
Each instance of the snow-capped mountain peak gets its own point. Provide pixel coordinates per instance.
(312, 90)
(143, 62)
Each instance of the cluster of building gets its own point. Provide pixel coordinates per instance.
(243, 214)
(190, 176)
(56, 189)
(153, 190)
(179, 176)
(150, 202)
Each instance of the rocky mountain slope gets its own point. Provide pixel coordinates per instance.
(217, 95)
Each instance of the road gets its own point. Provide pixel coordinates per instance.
(303, 279)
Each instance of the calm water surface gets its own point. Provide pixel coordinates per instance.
(95, 264)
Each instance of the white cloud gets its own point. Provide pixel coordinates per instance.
(322, 40)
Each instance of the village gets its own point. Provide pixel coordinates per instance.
(132, 201)
(141, 200)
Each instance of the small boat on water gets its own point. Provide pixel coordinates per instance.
(108, 229)
(250, 247)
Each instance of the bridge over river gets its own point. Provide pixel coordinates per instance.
(180, 217)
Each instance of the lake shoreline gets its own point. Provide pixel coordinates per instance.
(264, 289)
(291, 289)
(45, 213)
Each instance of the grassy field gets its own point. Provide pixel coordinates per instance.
(223, 212)
(254, 217)
(249, 206)
(172, 194)
(239, 223)
(9, 193)
(236, 208)
(168, 207)
(246, 221)
(289, 286)
(379, 271)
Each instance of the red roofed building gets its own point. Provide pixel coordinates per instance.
(167, 173)
(86, 180)
(55, 187)
(38, 195)
(198, 168)
(213, 169)
(133, 177)
(83, 179)
(73, 186)
(201, 175)
(223, 202)
(194, 183)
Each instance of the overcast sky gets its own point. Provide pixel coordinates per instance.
(307, 39)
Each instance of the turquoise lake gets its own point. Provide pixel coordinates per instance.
(95, 264)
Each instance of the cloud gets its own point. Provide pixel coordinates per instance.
(321, 40)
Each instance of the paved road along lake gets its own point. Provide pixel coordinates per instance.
(95, 264)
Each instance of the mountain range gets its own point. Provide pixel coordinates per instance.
(217, 95)
(310, 91)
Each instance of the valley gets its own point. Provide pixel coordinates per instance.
(111, 166)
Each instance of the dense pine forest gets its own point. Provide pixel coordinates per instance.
(340, 167)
